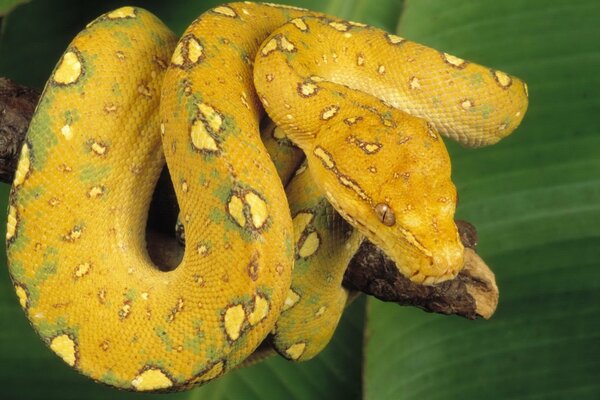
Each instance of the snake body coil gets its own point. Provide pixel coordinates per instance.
(76, 223)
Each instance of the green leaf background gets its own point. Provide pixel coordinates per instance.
(535, 199)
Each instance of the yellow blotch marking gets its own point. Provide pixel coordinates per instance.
(321, 154)
(270, 46)
(261, 309)
(279, 133)
(195, 50)
(258, 209)
(290, 300)
(359, 24)
(177, 57)
(352, 120)
(99, 148)
(466, 104)
(321, 311)
(22, 295)
(202, 250)
(453, 60)
(394, 39)
(96, 191)
(64, 346)
(236, 210)
(67, 132)
(145, 296)
(300, 222)
(503, 79)
(310, 245)
(200, 137)
(371, 148)
(269, 77)
(224, 10)
(360, 60)
(414, 83)
(144, 90)
(344, 180)
(381, 69)
(11, 226)
(338, 26)
(295, 351)
(82, 269)
(329, 112)
(234, 319)
(53, 202)
(300, 170)
(22, 167)
(151, 379)
(69, 69)
(308, 89)
(213, 118)
(300, 24)
(212, 373)
(73, 234)
(123, 12)
(244, 100)
(124, 311)
(286, 44)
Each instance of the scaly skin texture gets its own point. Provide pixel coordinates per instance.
(333, 86)
(75, 233)
(324, 244)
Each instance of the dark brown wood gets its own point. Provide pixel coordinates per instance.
(472, 294)
(17, 104)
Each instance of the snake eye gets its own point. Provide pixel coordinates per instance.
(385, 214)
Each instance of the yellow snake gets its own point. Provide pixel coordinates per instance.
(339, 90)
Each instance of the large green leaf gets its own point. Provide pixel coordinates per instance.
(536, 200)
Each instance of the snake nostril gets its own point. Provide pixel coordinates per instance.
(385, 214)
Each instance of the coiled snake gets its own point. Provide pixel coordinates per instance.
(364, 106)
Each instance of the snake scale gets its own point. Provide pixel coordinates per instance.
(365, 107)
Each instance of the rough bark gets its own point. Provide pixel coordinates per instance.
(472, 294)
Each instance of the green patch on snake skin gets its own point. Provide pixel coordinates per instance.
(131, 294)
(91, 173)
(156, 38)
(476, 80)
(20, 240)
(191, 106)
(43, 272)
(221, 192)
(289, 245)
(164, 337)
(116, 89)
(44, 139)
(122, 39)
(193, 343)
(111, 379)
(71, 116)
(486, 110)
(17, 270)
(50, 329)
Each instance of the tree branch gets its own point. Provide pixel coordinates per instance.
(472, 294)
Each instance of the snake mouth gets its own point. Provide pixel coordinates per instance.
(449, 261)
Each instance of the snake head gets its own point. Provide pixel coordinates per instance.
(394, 185)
